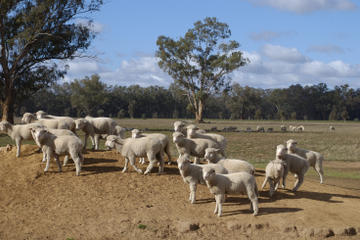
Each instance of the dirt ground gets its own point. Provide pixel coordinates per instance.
(104, 203)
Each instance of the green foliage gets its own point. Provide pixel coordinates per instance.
(141, 226)
(200, 61)
(33, 35)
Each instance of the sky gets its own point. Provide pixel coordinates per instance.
(287, 41)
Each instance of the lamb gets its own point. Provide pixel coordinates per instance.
(135, 133)
(232, 165)
(17, 132)
(54, 146)
(67, 120)
(315, 159)
(95, 127)
(331, 128)
(192, 133)
(192, 174)
(274, 171)
(131, 148)
(49, 123)
(233, 183)
(294, 163)
(260, 129)
(193, 147)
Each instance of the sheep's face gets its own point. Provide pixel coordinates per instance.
(208, 173)
(178, 126)
(135, 133)
(27, 118)
(80, 123)
(280, 151)
(177, 137)
(210, 153)
(2, 126)
(291, 145)
(38, 134)
(183, 162)
(40, 114)
(110, 144)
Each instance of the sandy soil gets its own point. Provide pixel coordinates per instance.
(104, 203)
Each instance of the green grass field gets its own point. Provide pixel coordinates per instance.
(258, 148)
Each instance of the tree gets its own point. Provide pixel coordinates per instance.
(33, 36)
(200, 61)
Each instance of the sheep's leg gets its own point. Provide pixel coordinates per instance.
(192, 192)
(150, 166)
(298, 182)
(160, 159)
(284, 178)
(44, 156)
(318, 168)
(196, 160)
(85, 141)
(48, 156)
(264, 183)
(96, 138)
(277, 184)
(77, 162)
(125, 165)
(251, 192)
(219, 201)
(58, 162)
(142, 161)
(132, 163)
(18, 146)
(66, 159)
(272, 188)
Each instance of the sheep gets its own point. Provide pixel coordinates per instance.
(315, 159)
(131, 148)
(331, 128)
(294, 164)
(135, 133)
(260, 129)
(95, 127)
(292, 128)
(57, 132)
(274, 171)
(232, 165)
(283, 128)
(54, 146)
(300, 128)
(192, 174)
(269, 129)
(192, 133)
(17, 132)
(49, 123)
(193, 147)
(68, 120)
(233, 183)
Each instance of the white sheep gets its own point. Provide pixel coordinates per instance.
(17, 132)
(95, 127)
(54, 146)
(274, 172)
(283, 128)
(294, 163)
(260, 129)
(233, 183)
(292, 128)
(192, 174)
(315, 159)
(131, 148)
(49, 123)
(179, 126)
(331, 128)
(136, 133)
(232, 165)
(193, 133)
(194, 147)
(68, 120)
(300, 128)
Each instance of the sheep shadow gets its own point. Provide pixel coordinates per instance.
(88, 161)
(205, 200)
(100, 169)
(262, 211)
(318, 196)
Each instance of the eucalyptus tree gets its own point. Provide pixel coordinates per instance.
(200, 61)
(35, 34)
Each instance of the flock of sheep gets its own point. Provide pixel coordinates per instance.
(56, 136)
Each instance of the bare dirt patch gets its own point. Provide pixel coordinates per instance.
(104, 203)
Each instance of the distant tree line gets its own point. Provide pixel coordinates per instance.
(90, 96)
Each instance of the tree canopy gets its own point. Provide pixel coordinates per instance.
(33, 35)
(200, 61)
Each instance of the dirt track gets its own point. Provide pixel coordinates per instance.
(104, 203)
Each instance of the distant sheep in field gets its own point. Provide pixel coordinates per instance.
(300, 128)
(270, 130)
(283, 128)
(331, 128)
(315, 159)
(260, 129)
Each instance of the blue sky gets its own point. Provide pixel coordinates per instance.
(287, 41)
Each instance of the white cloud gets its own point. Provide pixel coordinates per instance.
(305, 6)
(327, 49)
(280, 53)
(268, 35)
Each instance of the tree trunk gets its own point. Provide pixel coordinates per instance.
(7, 107)
(199, 112)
